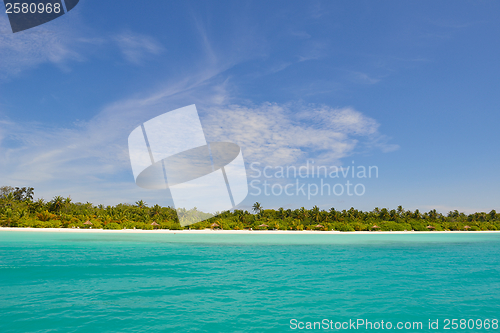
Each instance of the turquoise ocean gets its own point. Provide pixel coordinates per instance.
(116, 282)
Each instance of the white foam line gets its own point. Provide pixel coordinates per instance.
(247, 232)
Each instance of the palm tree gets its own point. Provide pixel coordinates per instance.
(303, 213)
(316, 213)
(384, 214)
(30, 192)
(140, 204)
(257, 207)
(156, 210)
(333, 214)
(281, 213)
(9, 199)
(57, 203)
(433, 214)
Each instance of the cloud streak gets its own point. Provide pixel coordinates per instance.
(93, 156)
(286, 134)
(136, 47)
(28, 49)
(60, 43)
(90, 160)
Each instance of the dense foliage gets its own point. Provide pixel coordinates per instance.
(17, 209)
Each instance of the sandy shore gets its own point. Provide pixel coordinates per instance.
(246, 232)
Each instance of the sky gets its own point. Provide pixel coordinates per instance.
(408, 88)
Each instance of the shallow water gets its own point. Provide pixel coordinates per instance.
(72, 282)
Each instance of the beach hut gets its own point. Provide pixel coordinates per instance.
(430, 227)
(375, 227)
(154, 224)
(319, 226)
(87, 222)
(466, 227)
(263, 225)
(214, 225)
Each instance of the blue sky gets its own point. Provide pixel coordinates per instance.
(409, 87)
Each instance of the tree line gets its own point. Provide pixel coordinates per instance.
(19, 209)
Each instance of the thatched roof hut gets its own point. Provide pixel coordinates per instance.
(87, 222)
(430, 227)
(466, 227)
(263, 225)
(375, 227)
(154, 223)
(319, 226)
(214, 225)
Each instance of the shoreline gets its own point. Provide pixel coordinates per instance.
(244, 232)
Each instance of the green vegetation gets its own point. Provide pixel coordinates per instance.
(17, 209)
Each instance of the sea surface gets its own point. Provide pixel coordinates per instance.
(83, 282)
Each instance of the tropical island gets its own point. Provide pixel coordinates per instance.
(18, 209)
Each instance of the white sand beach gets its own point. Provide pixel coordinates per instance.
(253, 232)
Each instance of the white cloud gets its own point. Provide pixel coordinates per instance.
(136, 47)
(314, 50)
(362, 78)
(301, 34)
(276, 134)
(30, 48)
(92, 158)
(60, 43)
(88, 161)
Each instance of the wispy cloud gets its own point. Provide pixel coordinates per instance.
(301, 34)
(314, 50)
(91, 158)
(362, 78)
(28, 49)
(59, 44)
(136, 47)
(277, 134)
